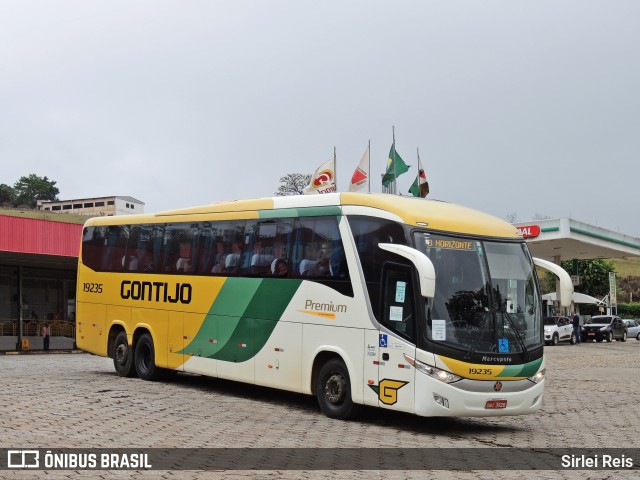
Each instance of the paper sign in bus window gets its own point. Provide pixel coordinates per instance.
(438, 329)
(401, 288)
(395, 314)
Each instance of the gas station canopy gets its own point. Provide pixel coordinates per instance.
(567, 239)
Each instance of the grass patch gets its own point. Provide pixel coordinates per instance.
(41, 215)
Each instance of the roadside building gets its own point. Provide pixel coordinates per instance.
(94, 206)
(38, 269)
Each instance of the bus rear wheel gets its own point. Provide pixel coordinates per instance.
(333, 389)
(145, 358)
(123, 356)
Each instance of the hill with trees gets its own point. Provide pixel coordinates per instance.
(26, 192)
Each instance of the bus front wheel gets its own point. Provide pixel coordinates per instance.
(123, 356)
(333, 390)
(145, 358)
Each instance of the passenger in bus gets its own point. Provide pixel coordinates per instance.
(322, 267)
(280, 269)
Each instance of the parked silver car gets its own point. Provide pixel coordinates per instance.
(633, 329)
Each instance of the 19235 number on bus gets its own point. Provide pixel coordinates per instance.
(92, 287)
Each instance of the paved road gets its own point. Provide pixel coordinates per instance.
(77, 401)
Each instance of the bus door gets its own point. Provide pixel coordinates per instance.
(398, 315)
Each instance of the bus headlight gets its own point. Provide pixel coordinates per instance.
(538, 377)
(442, 375)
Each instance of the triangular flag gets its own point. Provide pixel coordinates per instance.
(360, 177)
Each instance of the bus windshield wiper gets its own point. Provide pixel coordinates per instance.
(525, 352)
(474, 345)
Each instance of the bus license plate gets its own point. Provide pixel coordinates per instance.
(496, 404)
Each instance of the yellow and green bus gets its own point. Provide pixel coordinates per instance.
(359, 299)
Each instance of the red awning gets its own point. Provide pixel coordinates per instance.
(43, 237)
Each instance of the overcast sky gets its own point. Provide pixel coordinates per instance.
(518, 107)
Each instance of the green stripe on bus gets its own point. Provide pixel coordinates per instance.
(223, 317)
(300, 212)
(524, 371)
(235, 296)
(258, 320)
(241, 328)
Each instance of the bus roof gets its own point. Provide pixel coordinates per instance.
(434, 214)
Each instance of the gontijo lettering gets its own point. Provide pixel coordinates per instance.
(156, 291)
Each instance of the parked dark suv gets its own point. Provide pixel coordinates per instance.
(604, 327)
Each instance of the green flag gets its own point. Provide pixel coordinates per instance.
(395, 167)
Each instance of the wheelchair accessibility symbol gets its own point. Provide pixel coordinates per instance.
(383, 340)
(503, 345)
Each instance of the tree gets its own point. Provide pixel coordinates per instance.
(512, 217)
(6, 195)
(293, 184)
(629, 288)
(28, 190)
(594, 275)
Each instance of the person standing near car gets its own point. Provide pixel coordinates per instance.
(576, 327)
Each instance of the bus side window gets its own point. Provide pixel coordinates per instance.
(115, 247)
(317, 249)
(229, 243)
(93, 241)
(206, 249)
(398, 308)
(177, 247)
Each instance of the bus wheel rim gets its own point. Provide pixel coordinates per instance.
(122, 354)
(335, 388)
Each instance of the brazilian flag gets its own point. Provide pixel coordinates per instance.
(395, 167)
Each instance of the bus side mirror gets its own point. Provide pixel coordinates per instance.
(426, 271)
(565, 292)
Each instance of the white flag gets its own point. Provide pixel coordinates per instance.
(323, 180)
(360, 178)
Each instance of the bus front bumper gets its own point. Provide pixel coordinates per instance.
(475, 398)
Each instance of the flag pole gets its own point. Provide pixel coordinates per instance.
(369, 168)
(335, 168)
(418, 174)
(395, 176)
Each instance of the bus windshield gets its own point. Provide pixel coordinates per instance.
(486, 298)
